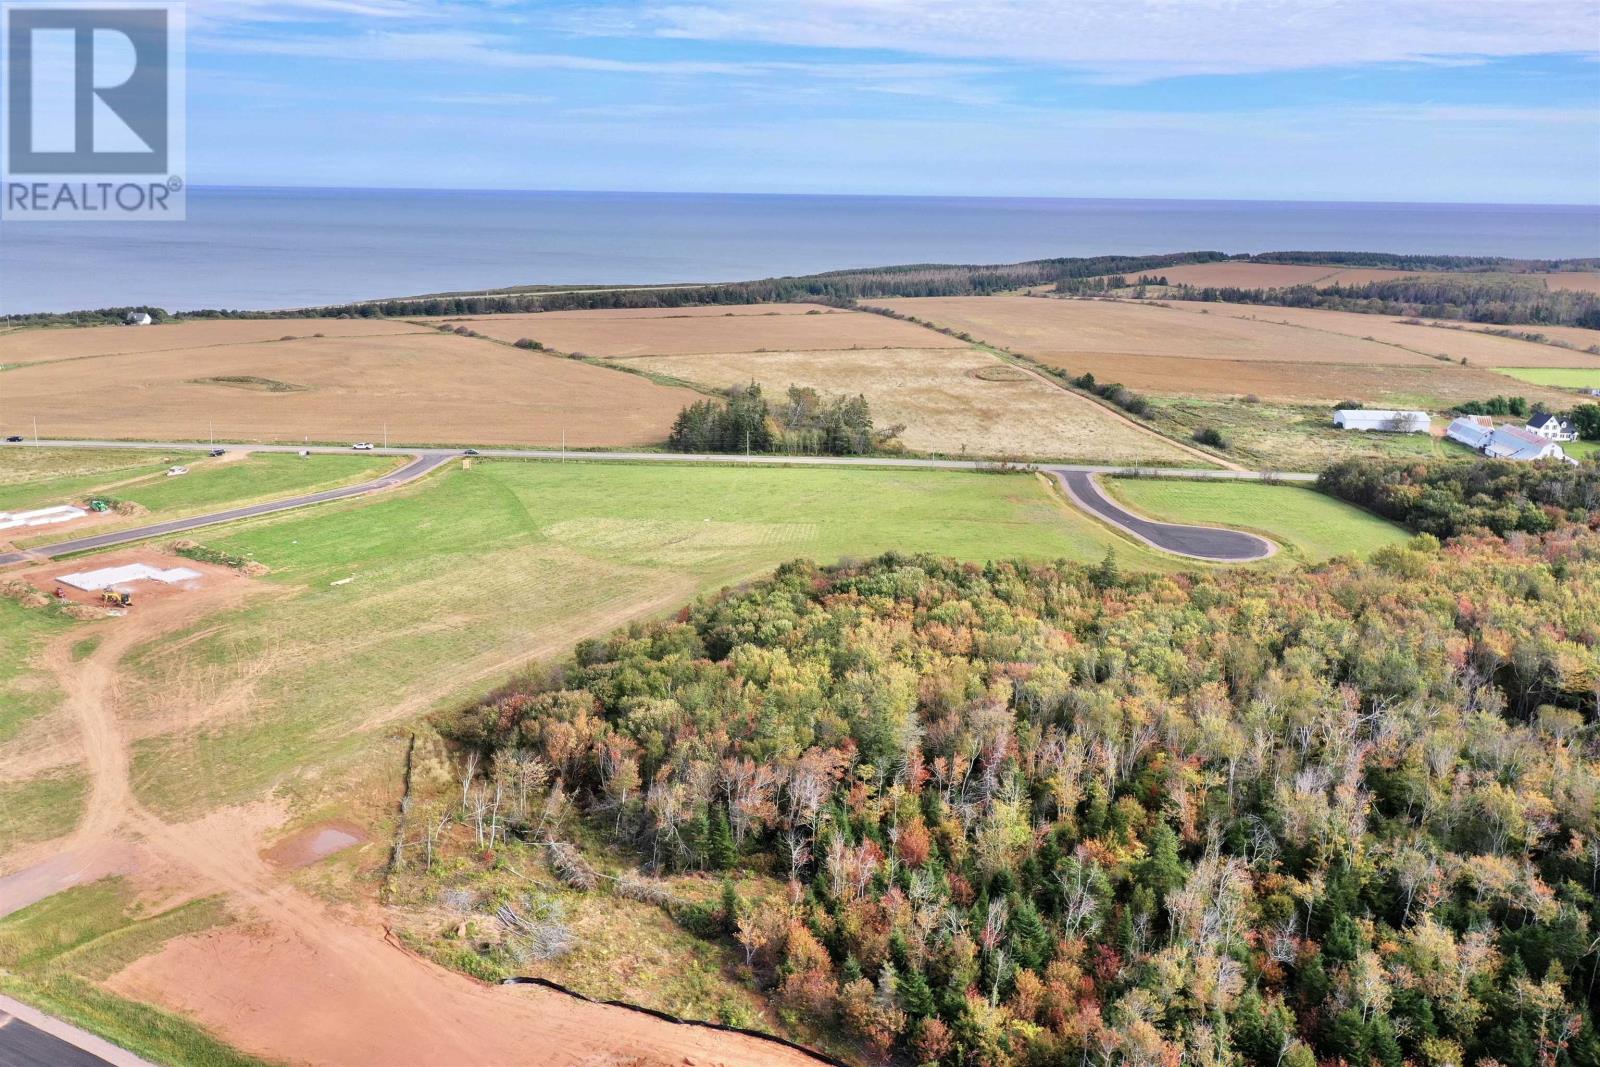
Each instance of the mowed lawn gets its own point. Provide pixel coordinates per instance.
(213, 484)
(447, 587)
(1310, 525)
(1560, 377)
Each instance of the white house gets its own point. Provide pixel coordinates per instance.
(1552, 427)
(137, 318)
(1386, 421)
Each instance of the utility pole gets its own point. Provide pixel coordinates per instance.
(36, 431)
(386, 436)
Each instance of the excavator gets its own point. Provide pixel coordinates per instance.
(116, 598)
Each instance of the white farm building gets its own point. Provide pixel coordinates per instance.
(1504, 442)
(1384, 421)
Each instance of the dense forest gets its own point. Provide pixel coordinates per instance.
(804, 423)
(1445, 498)
(1057, 814)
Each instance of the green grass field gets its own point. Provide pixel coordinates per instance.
(1311, 527)
(211, 484)
(39, 477)
(262, 476)
(454, 583)
(1582, 449)
(1560, 377)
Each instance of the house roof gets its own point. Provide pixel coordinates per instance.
(1544, 419)
(1514, 442)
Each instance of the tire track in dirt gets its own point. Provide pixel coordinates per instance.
(301, 980)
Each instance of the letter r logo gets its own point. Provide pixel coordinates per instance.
(87, 90)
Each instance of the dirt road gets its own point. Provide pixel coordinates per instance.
(297, 980)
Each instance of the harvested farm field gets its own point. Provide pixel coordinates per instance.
(428, 387)
(602, 333)
(1208, 349)
(44, 345)
(951, 401)
(1426, 337)
(1434, 387)
(1056, 330)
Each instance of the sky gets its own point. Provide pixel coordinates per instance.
(1492, 101)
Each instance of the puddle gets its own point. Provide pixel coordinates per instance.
(314, 843)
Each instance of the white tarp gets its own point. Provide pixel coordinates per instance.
(106, 577)
(12, 520)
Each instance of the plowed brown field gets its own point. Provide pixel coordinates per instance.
(607, 334)
(430, 388)
(1465, 341)
(32, 346)
(1208, 349)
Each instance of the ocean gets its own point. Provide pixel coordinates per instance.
(272, 248)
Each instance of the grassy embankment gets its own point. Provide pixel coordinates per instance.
(1311, 527)
(53, 953)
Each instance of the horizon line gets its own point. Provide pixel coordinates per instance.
(238, 186)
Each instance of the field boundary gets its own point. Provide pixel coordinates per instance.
(1025, 362)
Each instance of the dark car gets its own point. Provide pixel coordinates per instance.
(14, 439)
(215, 452)
(472, 452)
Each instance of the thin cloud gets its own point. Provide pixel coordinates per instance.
(1134, 40)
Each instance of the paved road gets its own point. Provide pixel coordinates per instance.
(684, 457)
(410, 472)
(1197, 542)
(30, 1038)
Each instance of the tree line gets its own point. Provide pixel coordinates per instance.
(1501, 299)
(804, 423)
(1447, 498)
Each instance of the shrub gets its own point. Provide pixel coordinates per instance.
(1211, 437)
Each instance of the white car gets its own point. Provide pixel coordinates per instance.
(175, 471)
(364, 446)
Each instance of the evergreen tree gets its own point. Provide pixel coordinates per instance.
(720, 852)
(1030, 940)
(1161, 870)
(916, 996)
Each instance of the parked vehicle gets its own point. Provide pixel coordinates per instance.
(215, 452)
(176, 471)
